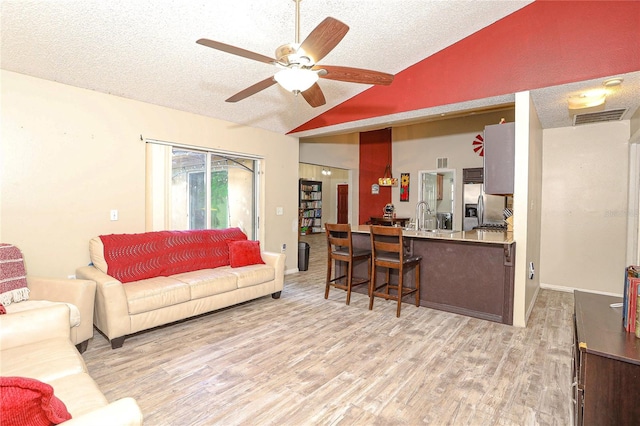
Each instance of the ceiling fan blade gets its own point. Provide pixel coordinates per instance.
(252, 90)
(314, 96)
(354, 75)
(235, 50)
(324, 38)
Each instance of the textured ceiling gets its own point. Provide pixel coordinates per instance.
(145, 50)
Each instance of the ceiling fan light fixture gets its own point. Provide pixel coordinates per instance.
(296, 80)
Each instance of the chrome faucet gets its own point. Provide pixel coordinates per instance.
(426, 209)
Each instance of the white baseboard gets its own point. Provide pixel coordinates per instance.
(291, 271)
(572, 289)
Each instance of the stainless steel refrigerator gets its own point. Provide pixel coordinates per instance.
(481, 209)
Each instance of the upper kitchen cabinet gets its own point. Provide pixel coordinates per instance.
(499, 158)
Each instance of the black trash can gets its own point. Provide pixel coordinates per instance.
(303, 256)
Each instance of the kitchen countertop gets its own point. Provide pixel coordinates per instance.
(474, 236)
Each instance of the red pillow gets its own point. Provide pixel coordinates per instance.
(29, 402)
(244, 252)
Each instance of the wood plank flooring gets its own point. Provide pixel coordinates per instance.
(304, 360)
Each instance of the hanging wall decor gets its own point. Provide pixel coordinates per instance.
(387, 179)
(404, 186)
(478, 145)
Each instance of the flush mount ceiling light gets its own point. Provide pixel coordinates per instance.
(296, 80)
(590, 99)
(612, 82)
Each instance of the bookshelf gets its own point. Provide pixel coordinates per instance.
(310, 208)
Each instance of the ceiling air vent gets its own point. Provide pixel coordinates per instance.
(443, 163)
(599, 117)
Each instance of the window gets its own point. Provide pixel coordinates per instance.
(203, 189)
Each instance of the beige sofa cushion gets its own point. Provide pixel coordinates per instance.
(207, 282)
(27, 305)
(252, 274)
(45, 360)
(79, 393)
(96, 253)
(155, 293)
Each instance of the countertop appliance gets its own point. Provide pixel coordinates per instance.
(482, 210)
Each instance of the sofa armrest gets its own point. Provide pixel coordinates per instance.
(80, 293)
(277, 261)
(34, 325)
(123, 412)
(111, 313)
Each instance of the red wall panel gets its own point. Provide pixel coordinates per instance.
(375, 154)
(544, 44)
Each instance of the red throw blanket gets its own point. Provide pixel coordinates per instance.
(13, 280)
(133, 257)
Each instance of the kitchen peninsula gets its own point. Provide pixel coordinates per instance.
(467, 272)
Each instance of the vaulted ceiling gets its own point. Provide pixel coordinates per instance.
(448, 56)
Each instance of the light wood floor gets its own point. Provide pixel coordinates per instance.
(304, 360)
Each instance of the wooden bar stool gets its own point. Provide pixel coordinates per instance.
(340, 248)
(387, 252)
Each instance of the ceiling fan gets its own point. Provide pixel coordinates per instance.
(298, 63)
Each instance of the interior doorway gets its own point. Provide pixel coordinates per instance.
(343, 203)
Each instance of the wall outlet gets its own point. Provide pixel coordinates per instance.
(284, 248)
(71, 277)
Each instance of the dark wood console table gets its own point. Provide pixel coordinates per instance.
(606, 368)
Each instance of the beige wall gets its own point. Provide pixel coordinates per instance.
(584, 206)
(70, 155)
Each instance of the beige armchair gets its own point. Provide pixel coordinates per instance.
(36, 345)
(79, 295)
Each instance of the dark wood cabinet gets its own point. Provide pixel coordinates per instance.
(467, 278)
(499, 158)
(606, 364)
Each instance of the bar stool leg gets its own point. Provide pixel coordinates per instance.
(417, 285)
(326, 290)
(400, 274)
(388, 276)
(349, 278)
(372, 283)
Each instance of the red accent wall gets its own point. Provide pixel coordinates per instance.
(375, 154)
(544, 44)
